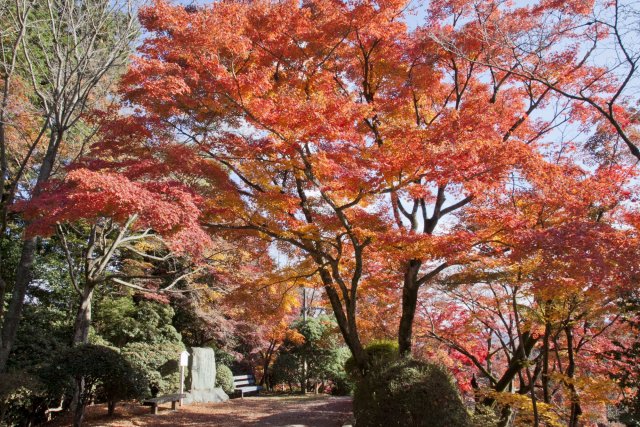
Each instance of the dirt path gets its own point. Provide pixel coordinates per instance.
(293, 411)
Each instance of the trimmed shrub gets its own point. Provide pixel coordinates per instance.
(319, 350)
(223, 357)
(21, 399)
(143, 332)
(380, 352)
(342, 383)
(107, 375)
(224, 378)
(158, 363)
(406, 392)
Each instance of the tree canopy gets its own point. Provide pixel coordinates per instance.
(456, 176)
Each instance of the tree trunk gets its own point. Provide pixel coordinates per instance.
(409, 303)
(14, 311)
(111, 407)
(576, 409)
(83, 317)
(545, 363)
(515, 365)
(3, 188)
(348, 330)
(78, 404)
(24, 273)
(81, 336)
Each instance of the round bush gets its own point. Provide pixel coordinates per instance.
(106, 374)
(21, 397)
(379, 352)
(407, 392)
(158, 364)
(224, 378)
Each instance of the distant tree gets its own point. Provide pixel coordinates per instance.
(626, 362)
(313, 358)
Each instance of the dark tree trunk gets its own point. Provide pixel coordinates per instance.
(79, 404)
(24, 273)
(545, 363)
(111, 407)
(515, 365)
(576, 409)
(81, 336)
(14, 311)
(347, 328)
(409, 303)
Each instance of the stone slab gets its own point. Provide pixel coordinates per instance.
(206, 396)
(203, 369)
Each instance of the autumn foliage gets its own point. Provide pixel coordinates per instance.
(415, 174)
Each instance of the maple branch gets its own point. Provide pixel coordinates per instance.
(133, 286)
(69, 258)
(607, 114)
(339, 213)
(179, 278)
(268, 232)
(106, 257)
(353, 202)
(430, 224)
(527, 113)
(460, 349)
(287, 279)
(430, 275)
(145, 234)
(148, 256)
(239, 174)
(304, 204)
(457, 205)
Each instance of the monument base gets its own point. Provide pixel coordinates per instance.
(206, 396)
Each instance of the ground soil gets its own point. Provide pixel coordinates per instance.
(293, 411)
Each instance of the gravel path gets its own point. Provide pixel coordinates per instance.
(292, 411)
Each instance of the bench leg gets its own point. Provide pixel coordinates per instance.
(154, 409)
(173, 405)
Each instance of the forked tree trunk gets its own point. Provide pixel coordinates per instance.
(576, 409)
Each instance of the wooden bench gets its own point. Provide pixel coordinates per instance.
(245, 384)
(155, 401)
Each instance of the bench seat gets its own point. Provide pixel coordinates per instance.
(155, 401)
(245, 384)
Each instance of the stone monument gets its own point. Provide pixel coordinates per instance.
(203, 378)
